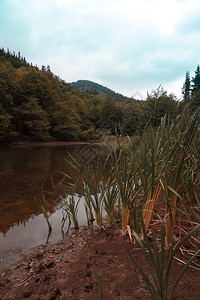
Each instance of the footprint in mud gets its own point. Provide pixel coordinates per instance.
(74, 291)
(50, 265)
(117, 293)
(37, 279)
(88, 287)
(39, 269)
(110, 260)
(27, 294)
(88, 274)
(47, 279)
(56, 293)
(88, 265)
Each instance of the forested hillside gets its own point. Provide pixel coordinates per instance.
(97, 89)
(36, 105)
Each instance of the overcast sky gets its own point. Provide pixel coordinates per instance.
(129, 46)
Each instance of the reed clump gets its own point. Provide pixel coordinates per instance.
(153, 181)
(162, 168)
(70, 207)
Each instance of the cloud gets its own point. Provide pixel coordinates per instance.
(123, 44)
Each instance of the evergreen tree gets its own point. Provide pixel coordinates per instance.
(186, 90)
(196, 81)
(8, 53)
(43, 68)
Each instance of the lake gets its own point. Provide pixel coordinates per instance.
(25, 172)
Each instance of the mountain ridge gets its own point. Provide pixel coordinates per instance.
(97, 89)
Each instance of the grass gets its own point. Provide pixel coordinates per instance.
(158, 262)
(161, 168)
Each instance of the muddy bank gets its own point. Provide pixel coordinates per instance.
(66, 271)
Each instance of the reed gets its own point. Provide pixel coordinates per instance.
(177, 138)
(71, 206)
(122, 173)
(98, 281)
(110, 197)
(90, 220)
(92, 195)
(159, 263)
(146, 156)
(149, 207)
(44, 210)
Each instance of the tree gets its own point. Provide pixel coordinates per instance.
(64, 123)
(7, 131)
(131, 115)
(196, 81)
(31, 120)
(110, 116)
(195, 100)
(43, 68)
(186, 90)
(158, 104)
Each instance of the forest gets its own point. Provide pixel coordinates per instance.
(37, 105)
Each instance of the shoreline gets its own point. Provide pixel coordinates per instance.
(65, 270)
(57, 143)
(21, 254)
(62, 143)
(15, 255)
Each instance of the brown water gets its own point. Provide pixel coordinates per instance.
(24, 173)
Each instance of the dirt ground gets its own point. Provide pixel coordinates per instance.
(66, 271)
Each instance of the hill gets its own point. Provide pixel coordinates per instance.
(37, 105)
(16, 60)
(97, 89)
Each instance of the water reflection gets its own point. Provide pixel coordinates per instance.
(25, 172)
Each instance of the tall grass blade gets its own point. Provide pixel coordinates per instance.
(98, 281)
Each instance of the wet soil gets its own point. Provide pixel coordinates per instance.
(66, 271)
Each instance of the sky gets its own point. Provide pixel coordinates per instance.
(129, 46)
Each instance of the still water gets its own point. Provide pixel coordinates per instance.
(25, 172)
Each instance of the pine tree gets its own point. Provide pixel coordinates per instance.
(196, 81)
(8, 54)
(43, 68)
(186, 90)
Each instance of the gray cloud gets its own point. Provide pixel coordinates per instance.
(125, 45)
